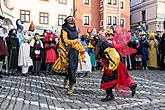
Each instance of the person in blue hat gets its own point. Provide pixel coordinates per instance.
(19, 32)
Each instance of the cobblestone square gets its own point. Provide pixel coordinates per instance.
(45, 92)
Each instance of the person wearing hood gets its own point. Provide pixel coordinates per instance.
(36, 53)
(115, 75)
(24, 59)
(13, 49)
(152, 52)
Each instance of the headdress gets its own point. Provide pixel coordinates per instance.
(19, 26)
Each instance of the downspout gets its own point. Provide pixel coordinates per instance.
(105, 14)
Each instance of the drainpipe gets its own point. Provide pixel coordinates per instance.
(119, 12)
(105, 14)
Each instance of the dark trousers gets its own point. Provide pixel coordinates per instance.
(72, 67)
(109, 90)
(36, 66)
(144, 64)
(162, 61)
(49, 66)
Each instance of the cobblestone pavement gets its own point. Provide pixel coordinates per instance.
(45, 92)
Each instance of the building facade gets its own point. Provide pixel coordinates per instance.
(114, 12)
(149, 11)
(102, 14)
(87, 15)
(45, 14)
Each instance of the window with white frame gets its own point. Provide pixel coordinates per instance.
(122, 22)
(44, 18)
(114, 20)
(62, 1)
(114, 2)
(101, 3)
(61, 19)
(86, 2)
(109, 20)
(86, 20)
(110, 2)
(25, 15)
(121, 5)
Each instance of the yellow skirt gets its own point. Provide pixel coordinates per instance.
(60, 66)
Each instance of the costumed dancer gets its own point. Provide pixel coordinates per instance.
(13, 49)
(3, 47)
(115, 73)
(69, 49)
(24, 60)
(36, 53)
(50, 48)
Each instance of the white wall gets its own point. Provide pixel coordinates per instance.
(36, 6)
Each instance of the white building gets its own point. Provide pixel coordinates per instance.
(45, 14)
(151, 11)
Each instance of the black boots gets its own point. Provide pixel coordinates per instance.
(133, 89)
(109, 96)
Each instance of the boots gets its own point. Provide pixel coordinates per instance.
(109, 96)
(133, 89)
(66, 84)
(71, 89)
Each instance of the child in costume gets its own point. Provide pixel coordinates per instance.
(85, 67)
(50, 49)
(24, 60)
(36, 53)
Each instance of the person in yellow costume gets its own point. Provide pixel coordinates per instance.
(69, 49)
(153, 43)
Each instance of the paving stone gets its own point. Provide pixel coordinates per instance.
(46, 92)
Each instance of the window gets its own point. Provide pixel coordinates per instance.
(144, 15)
(62, 1)
(122, 5)
(101, 3)
(25, 15)
(86, 20)
(122, 22)
(61, 19)
(44, 18)
(110, 2)
(114, 2)
(109, 20)
(86, 2)
(114, 20)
